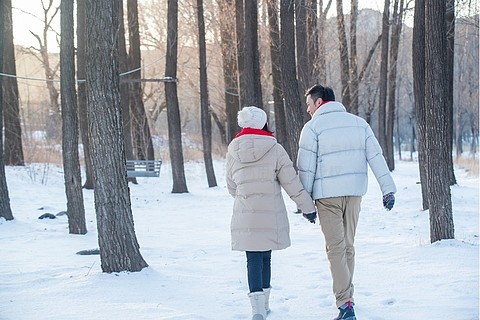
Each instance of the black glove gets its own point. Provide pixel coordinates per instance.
(388, 201)
(310, 216)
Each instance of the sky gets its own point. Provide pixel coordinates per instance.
(194, 275)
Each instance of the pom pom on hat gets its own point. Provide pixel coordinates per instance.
(252, 117)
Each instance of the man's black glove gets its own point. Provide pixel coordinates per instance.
(310, 216)
(388, 201)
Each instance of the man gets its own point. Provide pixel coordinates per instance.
(335, 150)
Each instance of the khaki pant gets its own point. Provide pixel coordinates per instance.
(338, 219)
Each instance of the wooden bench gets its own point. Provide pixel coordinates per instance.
(143, 168)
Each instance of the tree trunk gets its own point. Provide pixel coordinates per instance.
(171, 96)
(71, 163)
(382, 135)
(5, 210)
(418, 63)
(205, 116)
(392, 82)
(82, 95)
(278, 106)
(436, 99)
(253, 87)
(13, 130)
(142, 135)
(344, 63)
(293, 104)
(303, 65)
(229, 56)
(240, 32)
(321, 76)
(450, 27)
(124, 90)
(119, 249)
(312, 40)
(354, 58)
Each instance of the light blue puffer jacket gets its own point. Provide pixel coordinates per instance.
(334, 150)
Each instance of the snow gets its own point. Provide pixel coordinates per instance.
(193, 274)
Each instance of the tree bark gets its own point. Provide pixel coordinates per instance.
(382, 104)
(240, 32)
(171, 96)
(450, 27)
(141, 129)
(125, 90)
(71, 163)
(205, 116)
(253, 87)
(344, 61)
(418, 64)
(229, 57)
(293, 104)
(354, 82)
(301, 44)
(278, 106)
(13, 130)
(119, 249)
(5, 209)
(82, 95)
(392, 82)
(436, 99)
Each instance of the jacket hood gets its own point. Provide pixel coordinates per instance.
(250, 147)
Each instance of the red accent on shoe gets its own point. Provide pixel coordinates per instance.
(349, 305)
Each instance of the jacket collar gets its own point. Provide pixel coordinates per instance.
(331, 106)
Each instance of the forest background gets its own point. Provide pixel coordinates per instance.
(35, 104)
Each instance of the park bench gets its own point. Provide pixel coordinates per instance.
(143, 168)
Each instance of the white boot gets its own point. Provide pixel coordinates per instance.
(267, 297)
(257, 300)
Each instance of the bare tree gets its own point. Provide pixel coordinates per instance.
(124, 89)
(392, 81)
(450, 27)
(436, 99)
(173, 110)
(71, 163)
(301, 45)
(278, 106)
(418, 63)
(13, 130)
(382, 104)
(293, 103)
(119, 249)
(253, 87)
(41, 53)
(240, 32)
(229, 57)
(204, 101)
(5, 210)
(82, 95)
(321, 69)
(141, 128)
(344, 61)
(354, 82)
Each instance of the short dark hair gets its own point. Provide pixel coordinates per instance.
(318, 91)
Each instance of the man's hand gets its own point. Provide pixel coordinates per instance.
(310, 216)
(388, 201)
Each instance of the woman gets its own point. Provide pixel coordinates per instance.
(257, 169)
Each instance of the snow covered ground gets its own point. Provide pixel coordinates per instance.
(193, 274)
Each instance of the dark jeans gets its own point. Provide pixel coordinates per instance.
(259, 270)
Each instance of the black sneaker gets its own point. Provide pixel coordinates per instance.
(346, 312)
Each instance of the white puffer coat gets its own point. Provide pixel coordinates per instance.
(335, 150)
(257, 168)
